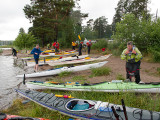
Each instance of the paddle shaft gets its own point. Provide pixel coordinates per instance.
(124, 109)
(115, 114)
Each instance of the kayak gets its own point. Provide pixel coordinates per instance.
(62, 69)
(76, 61)
(88, 109)
(56, 60)
(15, 117)
(59, 54)
(113, 86)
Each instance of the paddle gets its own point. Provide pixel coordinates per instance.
(115, 114)
(124, 109)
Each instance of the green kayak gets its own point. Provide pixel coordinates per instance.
(113, 86)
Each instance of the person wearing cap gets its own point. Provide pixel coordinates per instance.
(133, 60)
(89, 46)
(80, 48)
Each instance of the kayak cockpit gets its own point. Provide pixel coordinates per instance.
(79, 105)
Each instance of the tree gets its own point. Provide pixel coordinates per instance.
(77, 18)
(24, 40)
(136, 7)
(144, 33)
(47, 17)
(100, 26)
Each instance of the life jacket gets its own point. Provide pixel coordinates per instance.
(73, 44)
(88, 43)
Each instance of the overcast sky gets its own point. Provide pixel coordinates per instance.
(13, 18)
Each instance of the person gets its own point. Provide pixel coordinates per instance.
(48, 46)
(73, 45)
(56, 47)
(36, 52)
(89, 46)
(14, 52)
(133, 60)
(80, 48)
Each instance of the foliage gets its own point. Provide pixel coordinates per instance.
(136, 7)
(101, 71)
(53, 20)
(5, 43)
(144, 33)
(100, 26)
(155, 50)
(100, 44)
(24, 40)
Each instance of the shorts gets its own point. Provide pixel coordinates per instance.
(36, 60)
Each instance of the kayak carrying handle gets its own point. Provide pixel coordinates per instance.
(24, 78)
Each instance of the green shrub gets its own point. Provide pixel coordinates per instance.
(116, 52)
(100, 44)
(102, 71)
(155, 51)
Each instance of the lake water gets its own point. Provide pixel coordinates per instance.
(8, 80)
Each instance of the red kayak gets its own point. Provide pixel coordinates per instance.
(15, 117)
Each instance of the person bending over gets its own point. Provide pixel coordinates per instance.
(133, 60)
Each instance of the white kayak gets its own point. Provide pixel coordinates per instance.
(45, 61)
(76, 61)
(53, 54)
(69, 69)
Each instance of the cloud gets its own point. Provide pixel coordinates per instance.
(12, 18)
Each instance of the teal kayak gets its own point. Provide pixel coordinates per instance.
(113, 86)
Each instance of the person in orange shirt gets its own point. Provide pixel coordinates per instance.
(89, 44)
(73, 45)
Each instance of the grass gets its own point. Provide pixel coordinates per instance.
(131, 99)
(64, 74)
(1, 51)
(120, 77)
(102, 71)
(158, 70)
(79, 78)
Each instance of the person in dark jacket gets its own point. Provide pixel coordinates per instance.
(14, 52)
(36, 52)
(80, 48)
(89, 46)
